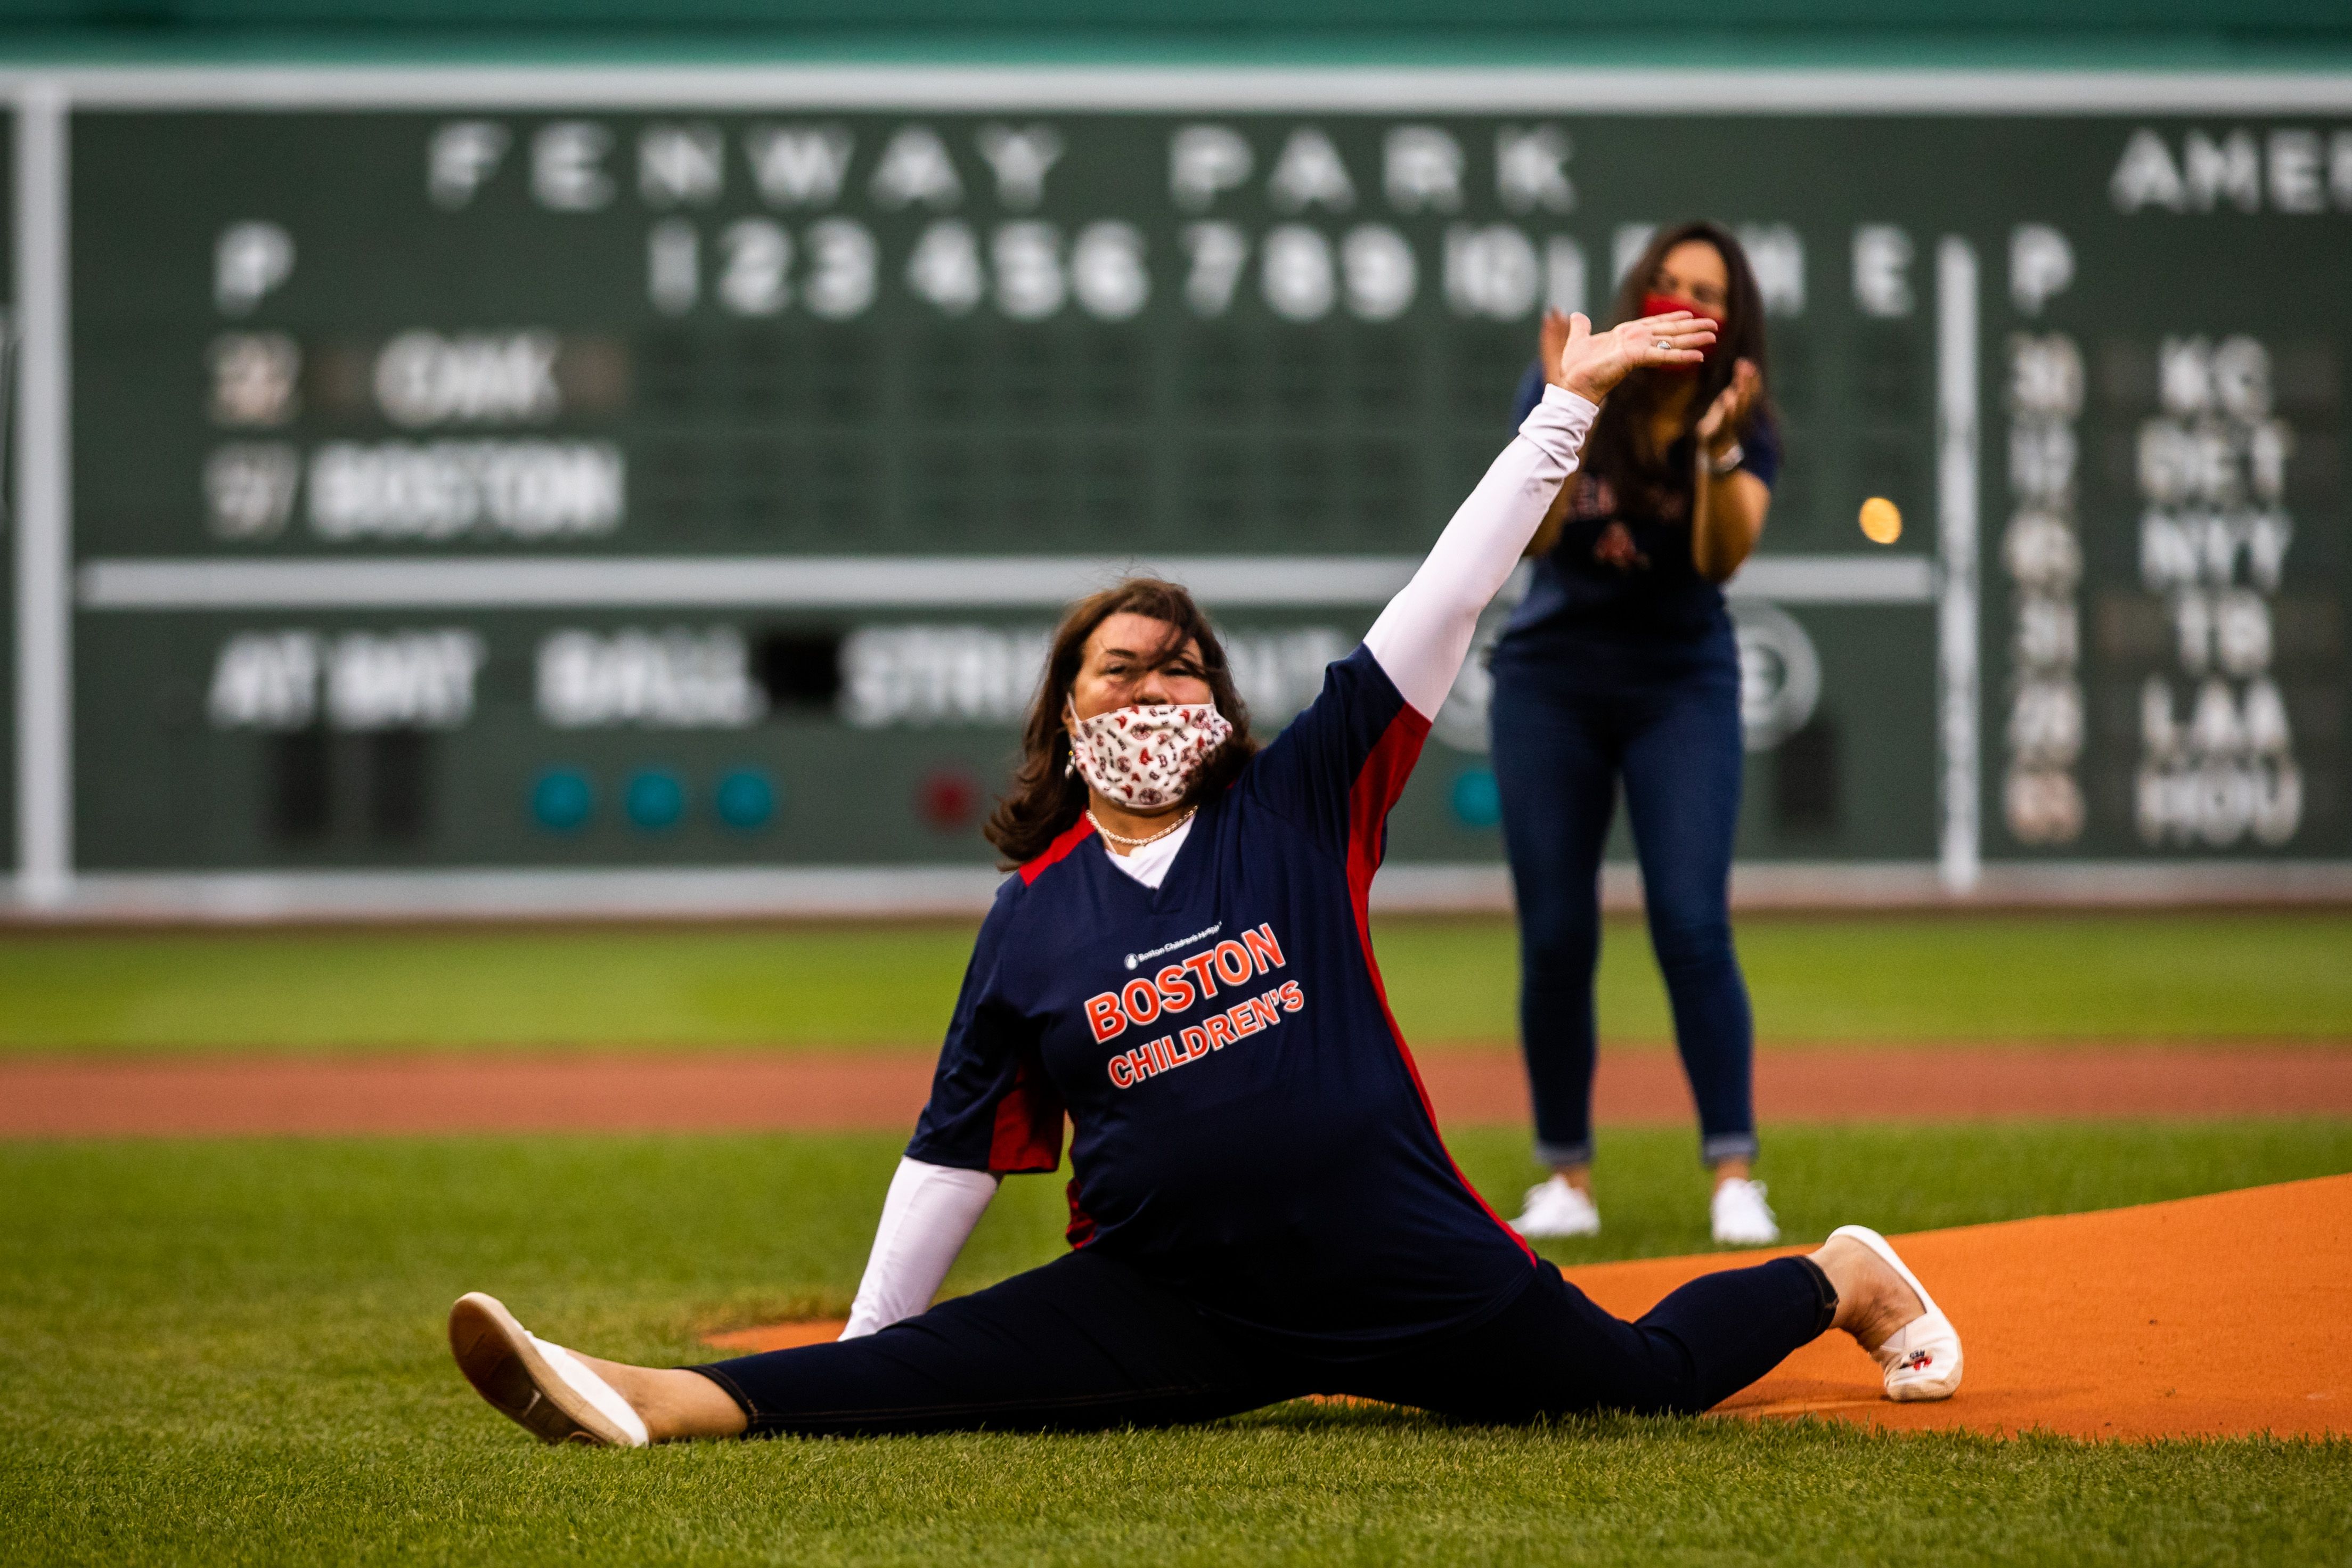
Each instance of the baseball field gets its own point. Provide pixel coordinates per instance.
(242, 1174)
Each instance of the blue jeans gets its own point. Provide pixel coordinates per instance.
(1570, 720)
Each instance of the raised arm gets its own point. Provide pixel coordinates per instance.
(1422, 636)
(926, 1220)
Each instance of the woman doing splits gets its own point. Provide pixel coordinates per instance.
(1262, 1208)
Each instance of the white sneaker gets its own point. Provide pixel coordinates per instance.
(540, 1386)
(1739, 1216)
(1555, 1208)
(1922, 1360)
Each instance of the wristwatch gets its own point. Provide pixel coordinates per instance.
(1730, 459)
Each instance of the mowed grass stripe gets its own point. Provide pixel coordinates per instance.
(1301, 1486)
(230, 1350)
(1883, 979)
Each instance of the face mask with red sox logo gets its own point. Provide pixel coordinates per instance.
(1146, 757)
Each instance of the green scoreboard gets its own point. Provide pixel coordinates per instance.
(569, 490)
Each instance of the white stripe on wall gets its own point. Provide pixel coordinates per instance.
(1877, 579)
(44, 509)
(799, 86)
(1961, 856)
(716, 893)
(941, 582)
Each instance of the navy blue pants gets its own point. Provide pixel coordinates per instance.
(1088, 1342)
(1570, 721)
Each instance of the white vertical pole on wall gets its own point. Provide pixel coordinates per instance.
(44, 508)
(1961, 857)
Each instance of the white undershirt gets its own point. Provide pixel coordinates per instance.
(1420, 640)
(927, 1217)
(1149, 863)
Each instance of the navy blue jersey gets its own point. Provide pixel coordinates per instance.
(1622, 567)
(1248, 1125)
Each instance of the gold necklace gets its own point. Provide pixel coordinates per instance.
(1138, 843)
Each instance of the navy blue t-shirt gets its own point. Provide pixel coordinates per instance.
(1623, 566)
(1248, 1126)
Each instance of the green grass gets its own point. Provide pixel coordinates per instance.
(230, 1350)
(1878, 978)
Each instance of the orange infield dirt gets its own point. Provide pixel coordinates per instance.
(809, 1090)
(2206, 1317)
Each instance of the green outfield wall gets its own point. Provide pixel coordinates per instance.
(533, 485)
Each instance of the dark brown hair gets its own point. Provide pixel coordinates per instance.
(1619, 447)
(1046, 798)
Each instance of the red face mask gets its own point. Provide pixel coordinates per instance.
(1659, 305)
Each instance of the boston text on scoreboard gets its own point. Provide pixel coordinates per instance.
(642, 480)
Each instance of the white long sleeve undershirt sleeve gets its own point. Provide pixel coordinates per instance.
(926, 1219)
(1423, 637)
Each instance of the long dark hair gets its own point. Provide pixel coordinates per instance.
(1619, 449)
(1046, 798)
